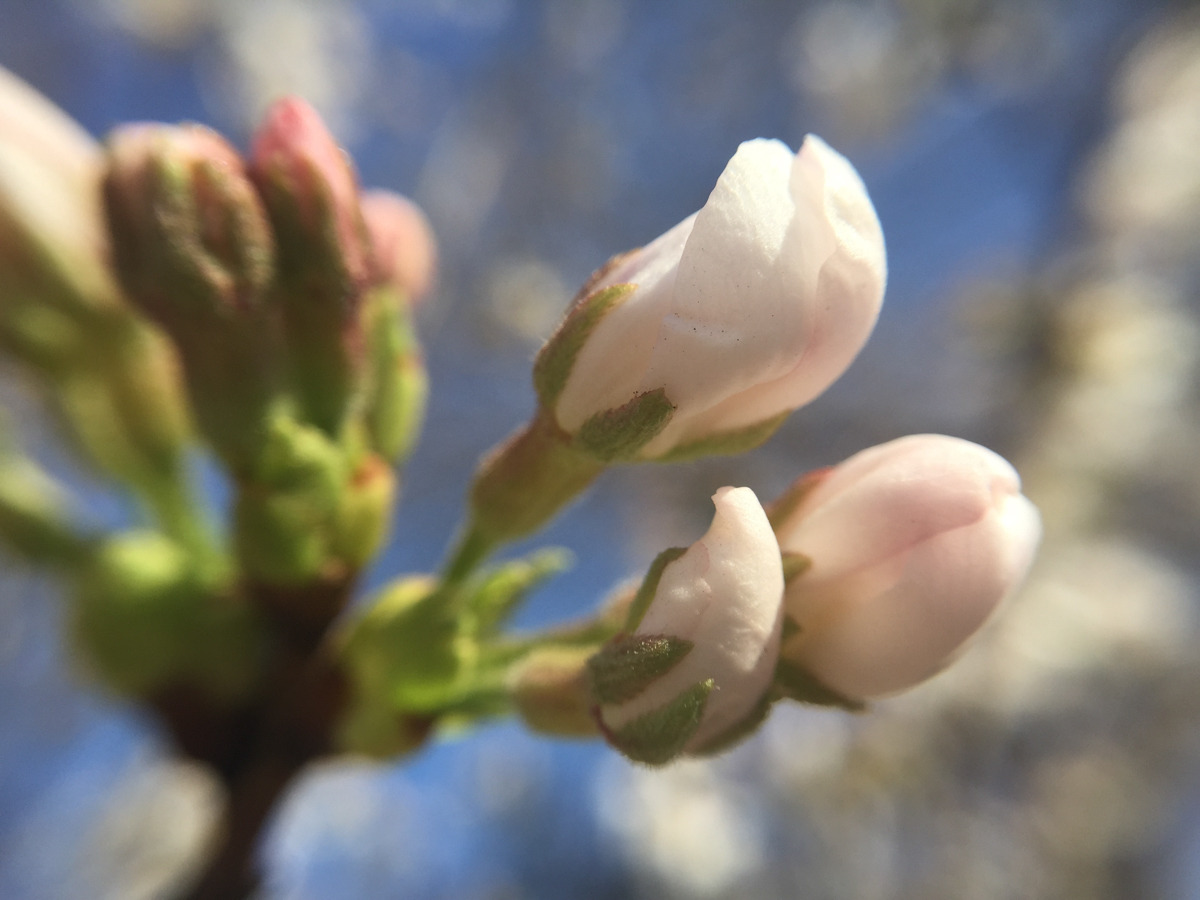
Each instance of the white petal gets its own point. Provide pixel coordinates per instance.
(613, 362)
(914, 544)
(870, 646)
(734, 317)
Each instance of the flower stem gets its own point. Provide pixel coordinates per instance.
(470, 550)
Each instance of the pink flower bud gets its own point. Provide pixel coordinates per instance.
(324, 258)
(702, 652)
(310, 190)
(744, 311)
(402, 242)
(911, 547)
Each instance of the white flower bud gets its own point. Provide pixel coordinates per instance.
(739, 314)
(705, 639)
(911, 545)
(51, 227)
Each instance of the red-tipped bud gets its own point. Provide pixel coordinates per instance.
(310, 189)
(312, 198)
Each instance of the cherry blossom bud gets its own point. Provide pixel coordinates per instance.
(404, 254)
(194, 252)
(909, 547)
(61, 313)
(739, 314)
(693, 672)
(311, 194)
(404, 250)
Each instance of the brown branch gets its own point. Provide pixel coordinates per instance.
(260, 748)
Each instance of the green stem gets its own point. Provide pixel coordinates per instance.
(470, 550)
(177, 514)
(519, 487)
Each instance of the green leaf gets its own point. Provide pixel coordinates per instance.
(628, 665)
(795, 683)
(35, 521)
(660, 735)
(620, 433)
(499, 592)
(726, 443)
(554, 363)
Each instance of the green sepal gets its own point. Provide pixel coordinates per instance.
(620, 433)
(649, 587)
(628, 665)
(284, 516)
(794, 683)
(398, 386)
(660, 735)
(404, 652)
(726, 443)
(497, 593)
(738, 732)
(794, 565)
(554, 363)
(34, 519)
(147, 618)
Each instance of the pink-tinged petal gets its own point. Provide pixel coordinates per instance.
(403, 246)
(913, 545)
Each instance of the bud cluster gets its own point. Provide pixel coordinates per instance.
(170, 281)
(292, 319)
(165, 282)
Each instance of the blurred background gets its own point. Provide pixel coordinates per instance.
(1036, 166)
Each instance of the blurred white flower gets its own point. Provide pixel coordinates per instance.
(50, 219)
(693, 832)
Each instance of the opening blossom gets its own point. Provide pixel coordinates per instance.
(910, 547)
(739, 314)
(704, 643)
